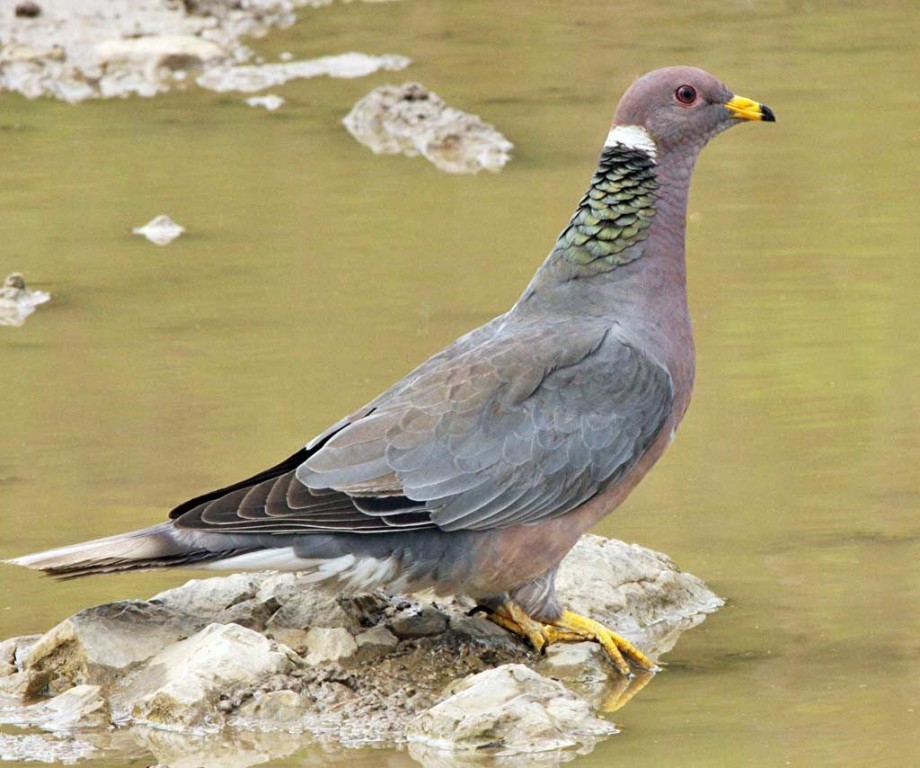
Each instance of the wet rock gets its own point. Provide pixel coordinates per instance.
(161, 230)
(181, 687)
(329, 644)
(93, 646)
(412, 120)
(80, 707)
(506, 711)
(270, 101)
(418, 621)
(576, 663)
(17, 301)
(258, 77)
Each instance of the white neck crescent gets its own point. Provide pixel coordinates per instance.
(634, 137)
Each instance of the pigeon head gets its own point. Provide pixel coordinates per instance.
(680, 109)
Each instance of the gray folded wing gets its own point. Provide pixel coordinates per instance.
(501, 429)
(527, 426)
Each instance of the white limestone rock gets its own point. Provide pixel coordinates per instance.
(258, 77)
(160, 230)
(508, 710)
(96, 644)
(269, 101)
(638, 592)
(17, 301)
(80, 707)
(576, 663)
(329, 644)
(412, 120)
(180, 688)
(377, 636)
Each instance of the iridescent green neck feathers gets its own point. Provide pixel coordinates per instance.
(614, 216)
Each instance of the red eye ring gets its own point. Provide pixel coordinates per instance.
(686, 94)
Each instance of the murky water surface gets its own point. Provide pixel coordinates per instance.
(313, 274)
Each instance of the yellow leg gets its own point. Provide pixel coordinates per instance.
(570, 627)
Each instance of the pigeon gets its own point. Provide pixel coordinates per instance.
(478, 471)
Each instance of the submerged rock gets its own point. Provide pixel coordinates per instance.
(354, 670)
(17, 301)
(412, 120)
(160, 230)
(257, 77)
(102, 49)
(269, 101)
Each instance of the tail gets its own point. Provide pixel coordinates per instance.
(160, 546)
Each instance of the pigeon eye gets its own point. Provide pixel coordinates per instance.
(686, 94)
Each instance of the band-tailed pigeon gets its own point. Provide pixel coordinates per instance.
(477, 472)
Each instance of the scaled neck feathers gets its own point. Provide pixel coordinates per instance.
(613, 218)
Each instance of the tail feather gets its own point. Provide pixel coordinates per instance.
(142, 550)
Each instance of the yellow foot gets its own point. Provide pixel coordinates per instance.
(571, 628)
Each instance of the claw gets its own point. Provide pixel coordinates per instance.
(571, 628)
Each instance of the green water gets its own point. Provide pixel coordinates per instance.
(313, 274)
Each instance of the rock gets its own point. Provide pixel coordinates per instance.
(94, 645)
(222, 599)
(640, 593)
(17, 302)
(142, 62)
(259, 77)
(12, 652)
(295, 639)
(482, 630)
(505, 711)
(270, 101)
(80, 707)
(180, 687)
(412, 120)
(161, 230)
(576, 663)
(377, 636)
(272, 710)
(329, 644)
(91, 49)
(300, 604)
(17, 685)
(418, 621)
(376, 662)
